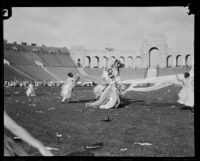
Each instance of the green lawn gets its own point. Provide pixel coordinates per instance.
(145, 117)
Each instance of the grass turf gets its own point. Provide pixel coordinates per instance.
(151, 117)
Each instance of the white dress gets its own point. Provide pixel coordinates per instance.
(66, 89)
(113, 101)
(30, 91)
(186, 95)
(99, 88)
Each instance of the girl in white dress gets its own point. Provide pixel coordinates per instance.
(109, 98)
(30, 90)
(67, 87)
(186, 95)
(100, 88)
(114, 100)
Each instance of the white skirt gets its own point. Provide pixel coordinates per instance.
(186, 97)
(98, 90)
(30, 92)
(66, 91)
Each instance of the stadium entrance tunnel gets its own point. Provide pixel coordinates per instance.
(154, 57)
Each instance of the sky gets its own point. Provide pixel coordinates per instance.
(99, 27)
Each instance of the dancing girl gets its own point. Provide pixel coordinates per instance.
(186, 94)
(30, 90)
(67, 87)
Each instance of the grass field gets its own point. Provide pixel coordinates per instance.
(145, 117)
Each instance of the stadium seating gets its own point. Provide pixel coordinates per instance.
(14, 57)
(11, 74)
(58, 62)
(49, 59)
(32, 57)
(65, 60)
(35, 72)
(61, 72)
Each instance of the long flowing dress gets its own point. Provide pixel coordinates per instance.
(113, 101)
(67, 87)
(98, 90)
(103, 99)
(30, 91)
(186, 94)
(109, 98)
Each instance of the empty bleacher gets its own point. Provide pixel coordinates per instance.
(32, 57)
(35, 72)
(14, 57)
(58, 63)
(49, 59)
(61, 72)
(11, 74)
(65, 60)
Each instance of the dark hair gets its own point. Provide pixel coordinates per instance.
(70, 74)
(186, 74)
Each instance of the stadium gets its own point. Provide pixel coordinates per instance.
(51, 63)
(146, 124)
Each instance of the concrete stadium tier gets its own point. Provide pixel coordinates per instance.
(154, 51)
(61, 72)
(15, 58)
(32, 57)
(65, 60)
(50, 63)
(49, 59)
(35, 72)
(11, 74)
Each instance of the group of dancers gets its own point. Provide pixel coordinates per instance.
(110, 89)
(108, 93)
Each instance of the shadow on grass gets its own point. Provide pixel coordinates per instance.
(186, 108)
(127, 101)
(80, 153)
(83, 101)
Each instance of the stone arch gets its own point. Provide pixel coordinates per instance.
(170, 61)
(104, 62)
(188, 60)
(87, 62)
(96, 62)
(153, 57)
(138, 62)
(179, 61)
(130, 62)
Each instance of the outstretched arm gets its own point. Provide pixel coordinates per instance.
(11, 125)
